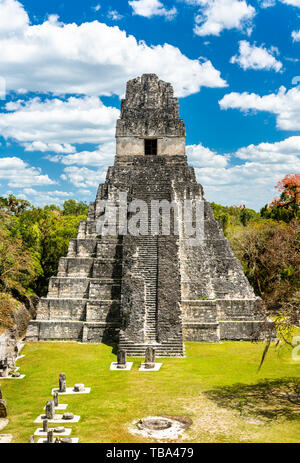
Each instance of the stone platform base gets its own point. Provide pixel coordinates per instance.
(58, 419)
(72, 330)
(114, 366)
(70, 391)
(42, 440)
(40, 432)
(5, 438)
(157, 367)
(11, 377)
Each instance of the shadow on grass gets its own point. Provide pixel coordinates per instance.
(114, 347)
(267, 400)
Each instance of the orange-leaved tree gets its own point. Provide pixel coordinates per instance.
(286, 207)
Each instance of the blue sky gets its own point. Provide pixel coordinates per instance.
(64, 66)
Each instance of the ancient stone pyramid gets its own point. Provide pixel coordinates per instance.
(149, 289)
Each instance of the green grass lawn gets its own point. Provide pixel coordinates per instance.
(217, 385)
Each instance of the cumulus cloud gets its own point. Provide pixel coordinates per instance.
(13, 18)
(114, 15)
(253, 57)
(91, 58)
(82, 177)
(102, 156)
(149, 8)
(53, 124)
(267, 3)
(19, 174)
(43, 198)
(54, 147)
(285, 105)
(296, 36)
(216, 15)
(250, 182)
(201, 156)
(292, 2)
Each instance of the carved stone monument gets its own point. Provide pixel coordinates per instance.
(45, 425)
(3, 409)
(79, 388)
(68, 416)
(50, 437)
(50, 410)
(62, 382)
(150, 358)
(121, 358)
(55, 398)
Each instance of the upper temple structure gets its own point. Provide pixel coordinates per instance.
(148, 289)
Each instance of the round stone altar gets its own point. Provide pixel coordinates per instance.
(158, 427)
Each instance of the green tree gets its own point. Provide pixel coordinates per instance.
(72, 207)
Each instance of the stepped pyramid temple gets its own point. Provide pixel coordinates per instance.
(150, 289)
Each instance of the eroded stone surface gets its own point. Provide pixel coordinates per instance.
(62, 383)
(3, 408)
(158, 427)
(50, 410)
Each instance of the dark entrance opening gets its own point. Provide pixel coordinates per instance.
(151, 147)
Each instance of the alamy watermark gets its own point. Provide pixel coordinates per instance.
(156, 217)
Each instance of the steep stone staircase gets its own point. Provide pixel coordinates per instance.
(149, 255)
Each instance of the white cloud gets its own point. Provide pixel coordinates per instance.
(19, 174)
(253, 57)
(54, 147)
(292, 2)
(267, 3)
(149, 8)
(32, 191)
(216, 15)
(94, 59)
(252, 182)
(54, 123)
(102, 156)
(200, 156)
(43, 198)
(296, 36)
(13, 18)
(114, 15)
(286, 151)
(285, 105)
(82, 177)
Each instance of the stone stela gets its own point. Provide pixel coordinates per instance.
(55, 399)
(149, 358)
(3, 408)
(50, 410)
(155, 290)
(45, 425)
(62, 382)
(121, 358)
